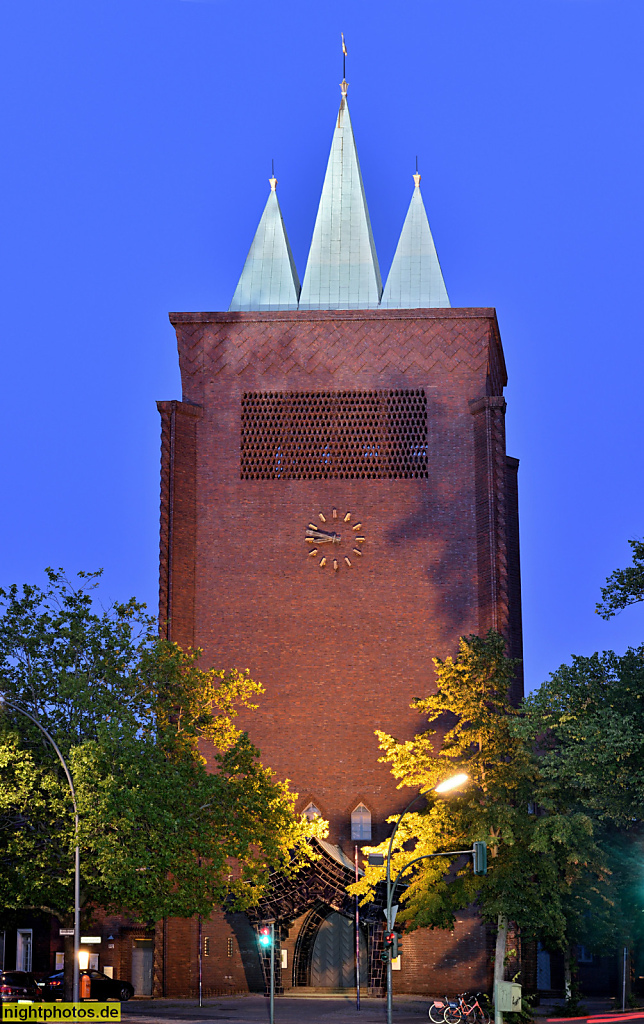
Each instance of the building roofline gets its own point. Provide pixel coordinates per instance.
(294, 316)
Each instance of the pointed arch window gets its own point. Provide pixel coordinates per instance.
(311, 812)
(360, 822)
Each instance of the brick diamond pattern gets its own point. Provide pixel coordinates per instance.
(379, 346)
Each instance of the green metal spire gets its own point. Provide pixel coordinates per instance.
(269, 279)
(415, 280)
(342, 269)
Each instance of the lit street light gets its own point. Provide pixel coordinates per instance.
(454, 782)
(21, 711)
(479, 853)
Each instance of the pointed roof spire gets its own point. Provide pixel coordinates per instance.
(415, 280)
(269, 279)
(342, 269)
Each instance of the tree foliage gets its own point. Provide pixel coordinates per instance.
(545, 868)
(162, 832)
(587, 725)
(624, 586)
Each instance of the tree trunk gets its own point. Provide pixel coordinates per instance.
(499, 956)
(568, 974)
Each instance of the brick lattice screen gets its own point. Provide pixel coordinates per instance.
(334, 435)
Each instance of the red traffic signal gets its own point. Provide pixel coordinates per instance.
(392, 945)
(264, 936)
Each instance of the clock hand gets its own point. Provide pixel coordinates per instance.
(321, 536)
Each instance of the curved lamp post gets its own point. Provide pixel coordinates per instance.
(21, 711)
(454, 782)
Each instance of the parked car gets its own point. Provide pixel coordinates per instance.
(102, 987)
(19, 986)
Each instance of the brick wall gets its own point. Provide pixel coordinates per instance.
(340, 653)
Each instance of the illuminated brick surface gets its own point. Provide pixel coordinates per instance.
(343, 651)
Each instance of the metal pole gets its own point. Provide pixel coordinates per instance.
(75, 975)
(357, 936)
(390, 891)
(624, 979)
(389, 978)
(200, 961)
(272, 1016)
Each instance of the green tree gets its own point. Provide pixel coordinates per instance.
(624, 586)
(176, 811)
(586, 724)
(545, 868)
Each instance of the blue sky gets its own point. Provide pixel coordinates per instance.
(138, 136)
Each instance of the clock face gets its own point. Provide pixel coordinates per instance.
(336, 541)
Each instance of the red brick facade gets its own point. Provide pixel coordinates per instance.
(341, 652)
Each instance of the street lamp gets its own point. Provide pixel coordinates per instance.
(21, 711)
(452, 783)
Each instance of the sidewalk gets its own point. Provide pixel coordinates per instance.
(335, 1009)
(254, 1009)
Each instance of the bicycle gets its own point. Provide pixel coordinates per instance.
(458, 1011)
(437, 1011)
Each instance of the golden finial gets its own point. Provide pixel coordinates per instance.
(344, 85)
(273, 179)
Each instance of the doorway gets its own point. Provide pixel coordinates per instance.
(333, 962)
(24, 944)
(142, 961)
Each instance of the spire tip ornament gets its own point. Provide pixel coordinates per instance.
(344, 85)
(416, 178)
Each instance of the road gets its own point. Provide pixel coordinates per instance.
(336, 1009)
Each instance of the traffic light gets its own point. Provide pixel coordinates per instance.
(479, 858)
(388, 940)
(393, 946)
(264, 937)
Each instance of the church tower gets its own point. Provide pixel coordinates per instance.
(337, 508)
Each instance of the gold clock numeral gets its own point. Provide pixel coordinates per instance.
(320, 516)
(335, 565)
(314, 552)
(323, 562)
(335, 513)
(357, 551)
(347, 518)
(358, 526)
(348, 561)
(360, 540)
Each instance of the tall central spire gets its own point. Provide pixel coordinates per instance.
(342, 269)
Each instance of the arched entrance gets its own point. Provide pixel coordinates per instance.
(333, 960)
(315, 893)
(325, 951)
